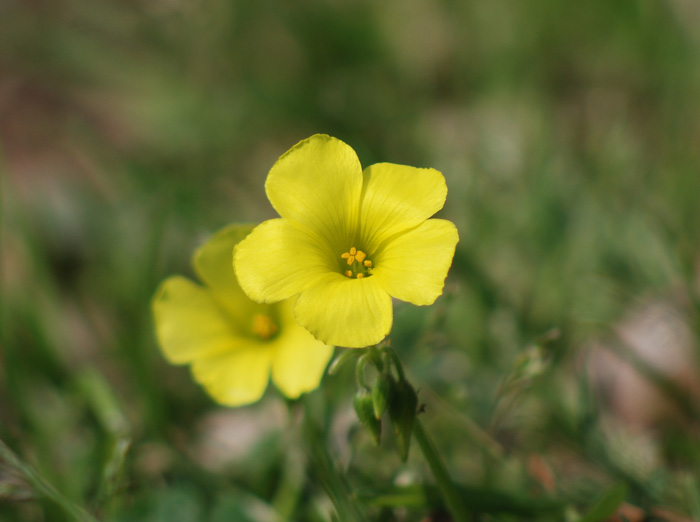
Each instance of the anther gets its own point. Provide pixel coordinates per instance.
(263, 326)
(353, 255)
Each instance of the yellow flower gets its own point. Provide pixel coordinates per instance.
(232, 343)
(347, 241)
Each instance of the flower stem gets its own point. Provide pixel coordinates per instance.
(442, 477)
(326, 471)
(73, 511)
(397, 362)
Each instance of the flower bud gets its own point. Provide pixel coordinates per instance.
(365, 412)
(402, 412)
(382, 391)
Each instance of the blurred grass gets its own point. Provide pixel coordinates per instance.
(569, 135)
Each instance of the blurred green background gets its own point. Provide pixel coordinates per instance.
(559, 371)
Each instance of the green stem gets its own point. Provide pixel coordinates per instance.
(293, 478)
(397, 362)
(360, 370)
(442, 477)
(347, 355)
(331, 479)
(42, 486)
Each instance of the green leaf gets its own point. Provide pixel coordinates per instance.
(607, 504)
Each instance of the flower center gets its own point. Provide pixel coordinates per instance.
(263, 326)
(358, 264)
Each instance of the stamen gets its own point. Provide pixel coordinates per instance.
(362, 269)
(263, 326)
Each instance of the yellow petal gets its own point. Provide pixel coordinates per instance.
(238, 377)
(279, 259)
(413, 266)
(318, 183)
(345, 312)
(396, 198)
(300, 360)
(213, 263)
(189, 322)
(213, 260)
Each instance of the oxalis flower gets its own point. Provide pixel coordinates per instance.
(347, 241)
(232, 343)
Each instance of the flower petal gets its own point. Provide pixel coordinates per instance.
(345, 312)
(213, 260)
(189, 322)
(413, 266)
(278, 260)
(396, 198)
(318, 183)
(300, 360)
(238, 377)
(213, 263)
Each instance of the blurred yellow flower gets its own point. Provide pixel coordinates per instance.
(232, 343)
(347, 241)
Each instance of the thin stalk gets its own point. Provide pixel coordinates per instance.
(397, 362)
(42, 486)
(430, 452)
(332, 480)
(464, 423)
(442, 477)
(360, 370)
(293, 478)
(692, 494)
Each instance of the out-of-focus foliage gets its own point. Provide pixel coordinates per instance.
(569, 135)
